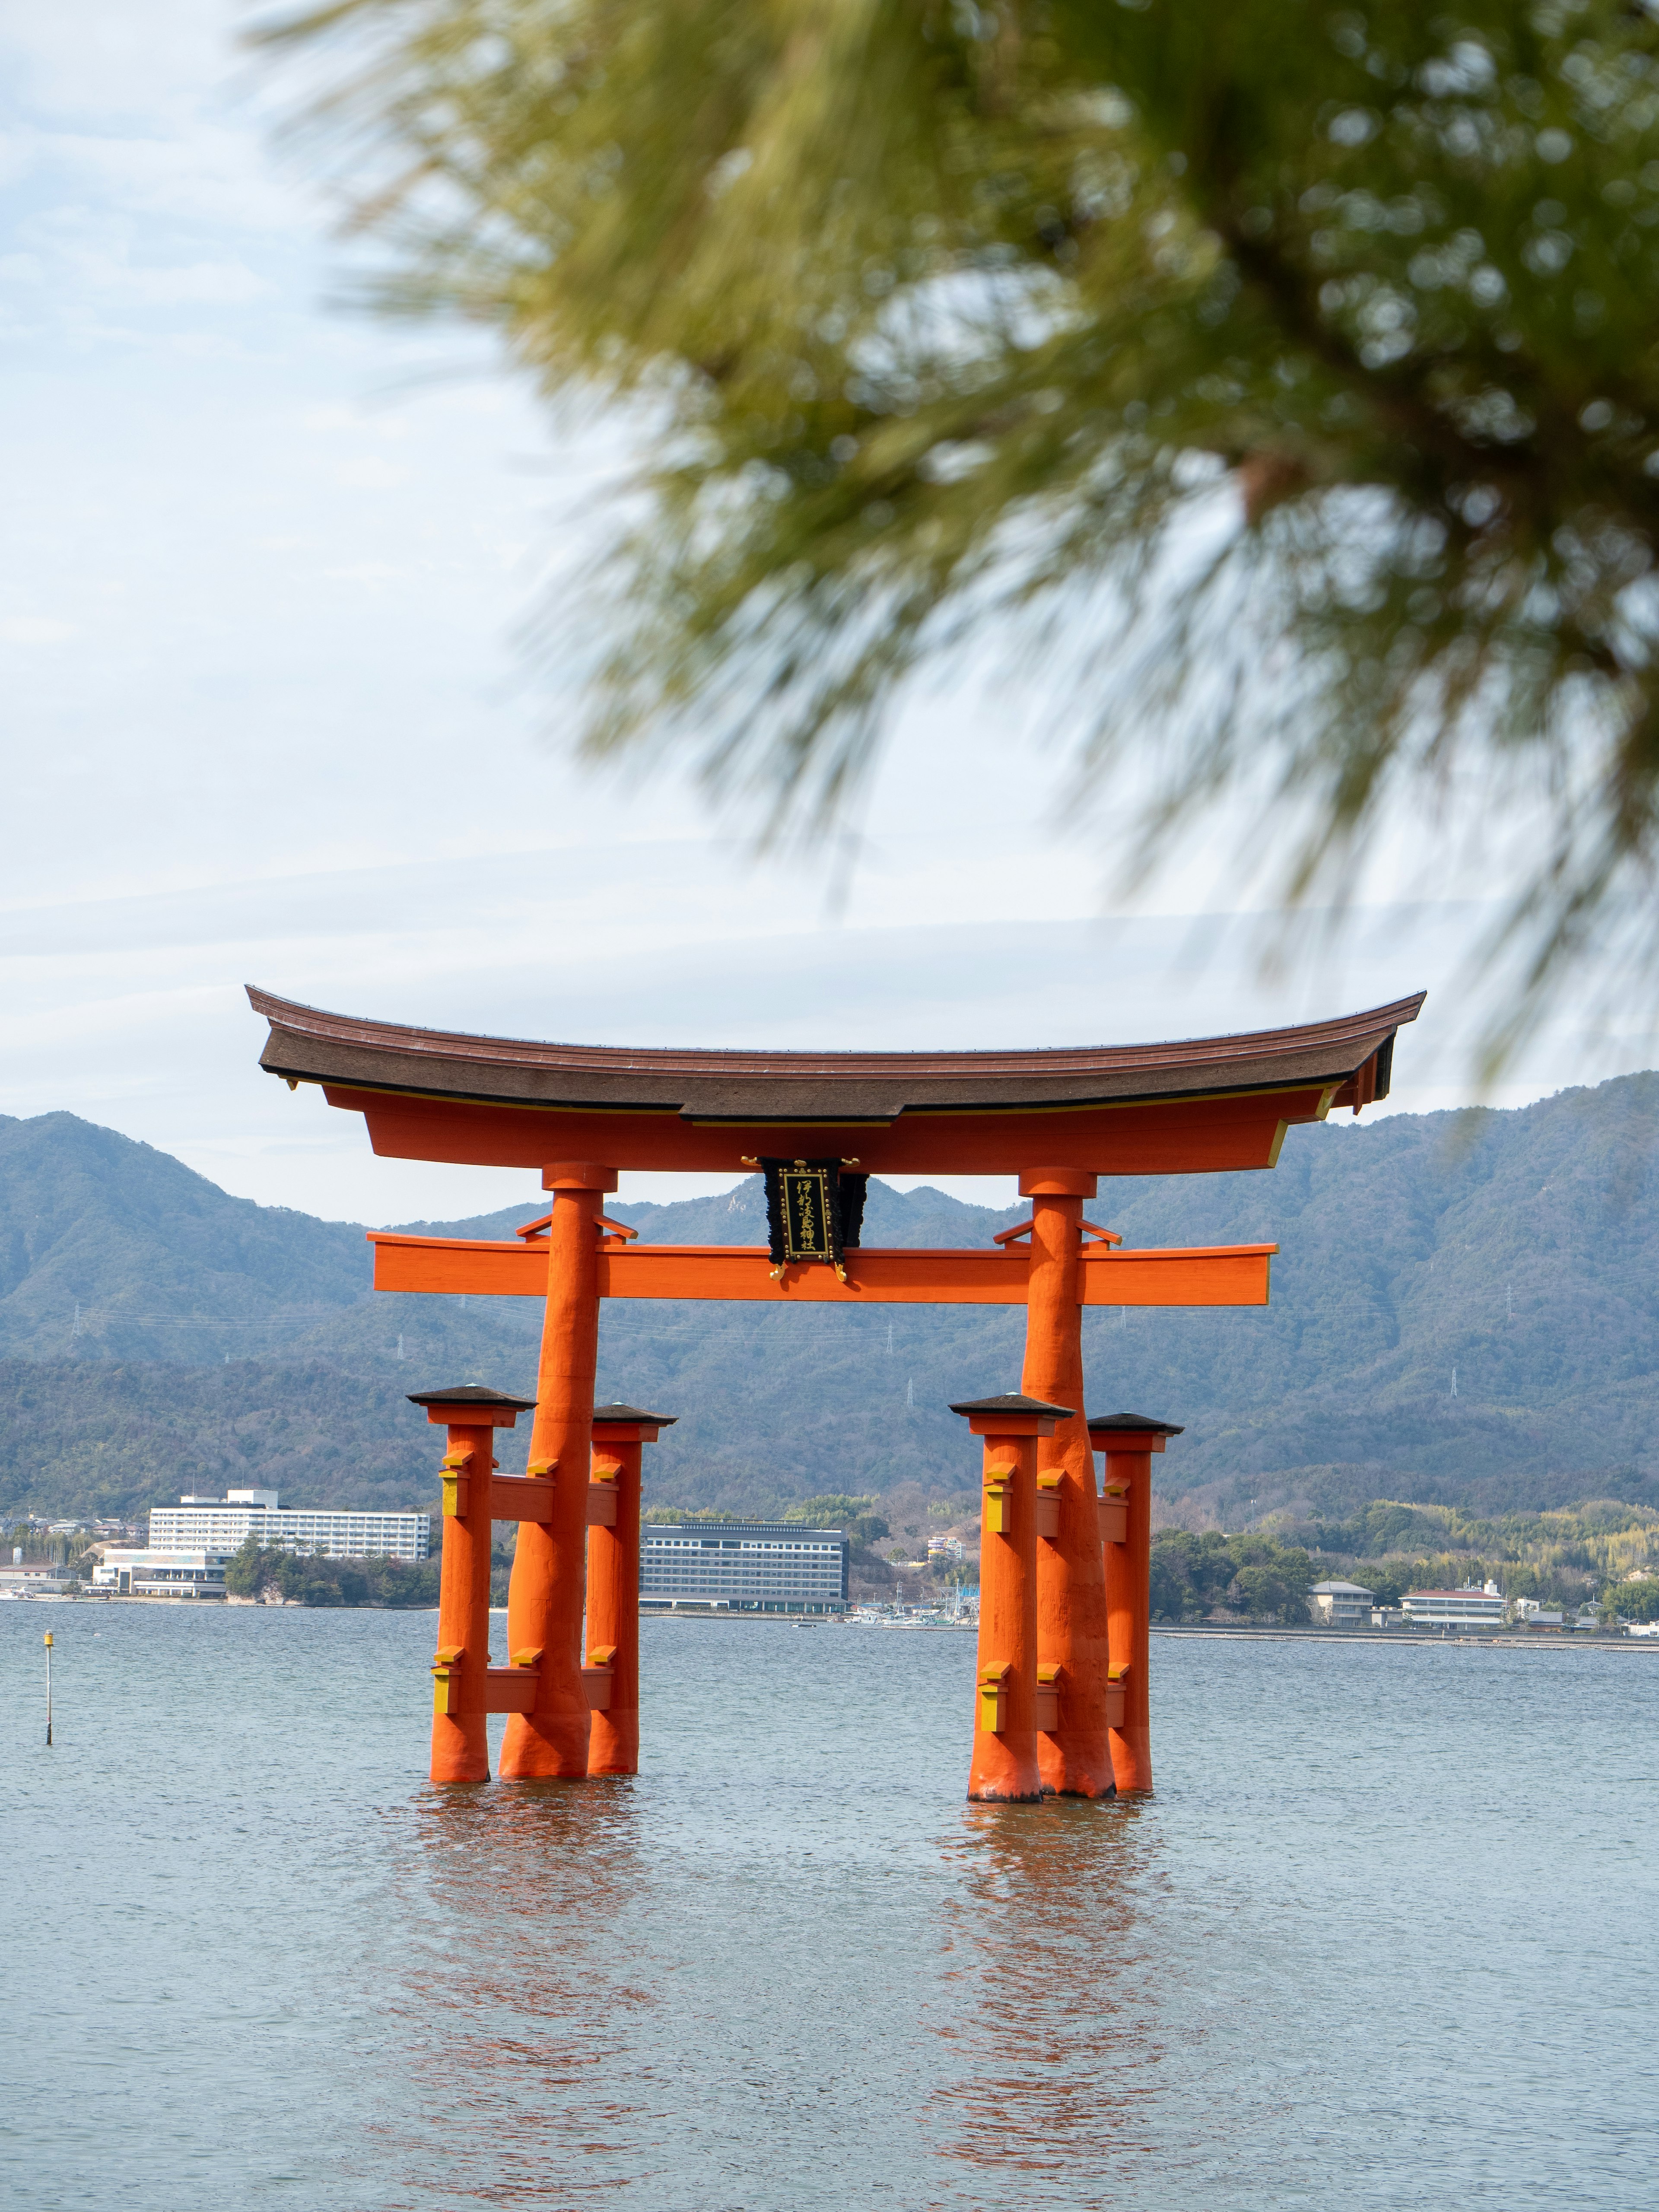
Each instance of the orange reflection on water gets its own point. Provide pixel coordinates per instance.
(1055, 2028)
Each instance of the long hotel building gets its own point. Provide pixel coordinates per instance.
(190, 1544)
(741, 1566)
(220, 1524)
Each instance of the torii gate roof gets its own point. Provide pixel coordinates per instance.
(1203, 1103)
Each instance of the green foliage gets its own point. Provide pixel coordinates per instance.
(1560, 1558)
(937, 307)
(254, 1571)
(1193, 1576)
(852, 1514)
(1636, 1600)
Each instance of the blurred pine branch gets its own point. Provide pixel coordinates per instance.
(1286, 373)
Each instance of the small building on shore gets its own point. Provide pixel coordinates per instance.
(143, 1570)
(1472, 1606)
(1340, 1605)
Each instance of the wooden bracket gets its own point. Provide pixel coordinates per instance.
(521, 1498)
(993, 1698)
(1116, 1699)
(1047, 1506)
(1114, 1510)
(597, 1682)
(447, 1680)
(997, 1518)
(602, 1504)
(1048, 1682)
(1024, 1228)
(510, 1689)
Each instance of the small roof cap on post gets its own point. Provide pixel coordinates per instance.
(1012, 1401)
(1011, 1415)
(1135, 1421)
(631, 1416)
(488, 1408)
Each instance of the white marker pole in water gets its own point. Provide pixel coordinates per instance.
(49, 1689)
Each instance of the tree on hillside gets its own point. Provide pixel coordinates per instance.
(1289, 370)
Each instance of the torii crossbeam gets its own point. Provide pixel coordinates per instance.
(1058, 1120)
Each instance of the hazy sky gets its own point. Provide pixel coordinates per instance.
(266, 572)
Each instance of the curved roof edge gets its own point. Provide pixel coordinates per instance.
(309, 1045)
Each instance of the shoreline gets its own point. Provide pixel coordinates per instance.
(1547, 1640)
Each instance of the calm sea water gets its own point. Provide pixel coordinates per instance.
(1383, 1936)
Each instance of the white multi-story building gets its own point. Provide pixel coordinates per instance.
(742, 1566)
(1340, 1605)
(222, 1524)
(1467, 1607)
(136, 1570)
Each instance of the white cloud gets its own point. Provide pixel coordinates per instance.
(297, 741)
(370, 473)
(203, 283)
(34, 629)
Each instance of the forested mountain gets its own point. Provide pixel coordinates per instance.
(1515, 1252)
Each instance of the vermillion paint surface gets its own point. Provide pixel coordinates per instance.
(544, 1598)
(1004, 1761)
(1075, 1759)
(613, 1613)
(1049, 1601)
(1128, 1610)
(460, 1747)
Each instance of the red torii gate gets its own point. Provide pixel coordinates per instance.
(1064, 1707)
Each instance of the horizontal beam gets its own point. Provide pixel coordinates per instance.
(511, 1497)
(1206, 1134)
(451, 1267)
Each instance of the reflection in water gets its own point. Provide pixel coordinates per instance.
(519, 1992)
(1057, 2024)
(786, 1967)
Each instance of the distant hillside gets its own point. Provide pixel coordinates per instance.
(161, 1263)
(1520, 1249)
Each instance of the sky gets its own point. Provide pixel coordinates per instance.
(270, 573)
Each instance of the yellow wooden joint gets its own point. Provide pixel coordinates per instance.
(602, 1655)
(538, 1467)
(1049, 1481)
(1048, 1675)
(527, 1658)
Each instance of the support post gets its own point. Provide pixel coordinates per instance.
(470, 1414)
(1129, 1441)
(544, 1599)
(1073, 1753)
(613, 1584)
(1005, 1759)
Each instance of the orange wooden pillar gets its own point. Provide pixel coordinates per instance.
(460, 1698)
(545, 1598)
(1074, 1755)
(612, 1671)
(1004, 1761)
(1129, 1441)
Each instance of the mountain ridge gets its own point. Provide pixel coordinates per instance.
(1507, 1256)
